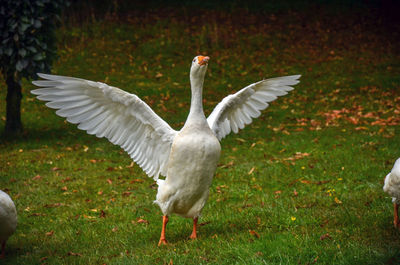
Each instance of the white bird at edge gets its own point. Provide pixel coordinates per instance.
(392, 187)
(187, 158)
(8, 220)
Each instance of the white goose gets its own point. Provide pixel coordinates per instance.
(189, 157)
(8, 220)
(392, 187)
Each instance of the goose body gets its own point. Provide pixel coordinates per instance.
(8, 219)
(392, 187)
(186, 188)
(187, 158)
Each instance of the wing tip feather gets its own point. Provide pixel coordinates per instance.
(35, 92)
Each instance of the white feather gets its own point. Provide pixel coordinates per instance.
(8, 217)
(110, 112)
(248, 103)
(392, 182)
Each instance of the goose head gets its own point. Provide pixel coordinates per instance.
(198, 70)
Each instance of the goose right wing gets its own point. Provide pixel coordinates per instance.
(237, 110)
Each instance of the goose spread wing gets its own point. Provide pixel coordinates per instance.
(106, 111)
(237, 110)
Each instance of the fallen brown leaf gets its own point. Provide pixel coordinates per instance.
(53, 205)
(240, 140)
(306, 181)
(325, 236)
(74, 254)
(338, 201)
(305, 206)
(102, 214)
(142, 221)
(324, 223)
(136, 181)
(322, 182)
(254, 233)
(229, 164)
(130, 165)
(37, 214)
(319, 182)
(36, 177)
(297, 155)
(205, 223)
(251, 171)
(66, 179)
(126, 193)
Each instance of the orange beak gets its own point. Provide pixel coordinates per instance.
(203, 59)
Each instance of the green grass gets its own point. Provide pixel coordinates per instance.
(327, 207)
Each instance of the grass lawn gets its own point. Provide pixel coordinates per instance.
(301, 185)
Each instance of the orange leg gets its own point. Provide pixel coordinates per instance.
(194, 232)
(3, 250)
(163, 241)
(396, 215)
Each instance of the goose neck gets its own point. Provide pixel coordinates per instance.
(196, 104)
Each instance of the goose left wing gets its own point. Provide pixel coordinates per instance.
(106, 111)
(237, 110)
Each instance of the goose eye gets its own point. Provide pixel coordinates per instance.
(194, 60)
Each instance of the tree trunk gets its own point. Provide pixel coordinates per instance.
(14, 96)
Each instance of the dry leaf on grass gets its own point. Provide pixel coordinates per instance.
(325, 236)
(74, 254)
(254, 233)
